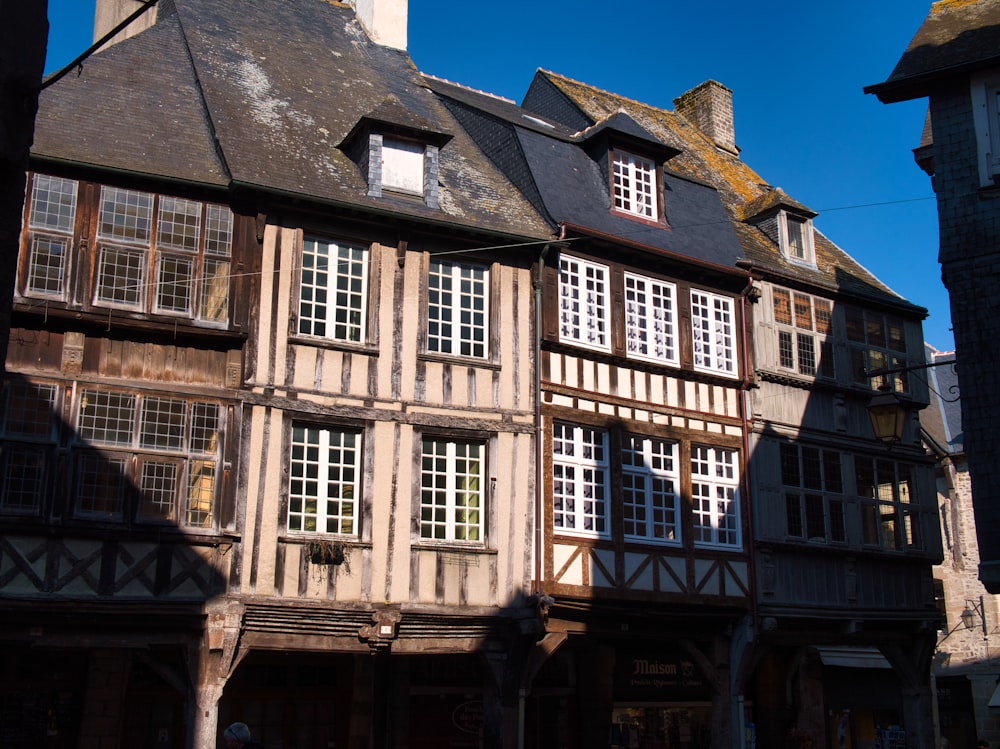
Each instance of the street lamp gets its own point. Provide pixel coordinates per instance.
(888, 416)
(968, 615)
(886, 411)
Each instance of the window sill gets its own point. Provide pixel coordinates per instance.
(464, 361)
(333, 344)
(451, 547)
(640, 219)
(110, 318)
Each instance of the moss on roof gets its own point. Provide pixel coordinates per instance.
(740, 187)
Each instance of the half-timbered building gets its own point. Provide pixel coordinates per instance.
(839, 636)
(643, 317)
(371, 410)
(268, 436)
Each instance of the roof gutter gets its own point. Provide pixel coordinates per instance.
(233, 188)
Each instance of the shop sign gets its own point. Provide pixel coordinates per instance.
(658, 675)
(468, 717)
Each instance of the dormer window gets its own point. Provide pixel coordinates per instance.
(397, 152)
(796, 235)
(634, 184)
(403, 166)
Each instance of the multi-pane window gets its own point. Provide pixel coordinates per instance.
(584, 302)
(715, 496)
(457, 309)
(324, 473)
(650, 319)
(650, 481)
(877, 343)
(713, 333)
(50, 235)
(804, 325)
(889, 513)
(163, 254)
(580, 480)
(452, 497)
(28, 428)
(814, 489)
(333, 290)
(163, 449)
(634, 185)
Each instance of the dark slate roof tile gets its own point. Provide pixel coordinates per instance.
(280, 108)
(956, 36)
(135, 107)
(739, 187)
(552, 165)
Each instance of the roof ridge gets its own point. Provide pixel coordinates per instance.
(469, 88)
(623, 98)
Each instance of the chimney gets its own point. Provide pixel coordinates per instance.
(384, 20)
(709, 107)
(109, 13)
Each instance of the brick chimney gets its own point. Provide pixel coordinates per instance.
(384, 20)
(709, 107)
(109, 13)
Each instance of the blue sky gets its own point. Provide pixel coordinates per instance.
(796, 70)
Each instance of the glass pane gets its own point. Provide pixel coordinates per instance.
(215, 291)
(47, 265)
(126, 215)
(53, 203)
(178, 224)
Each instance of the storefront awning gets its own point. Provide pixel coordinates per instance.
(853, 657)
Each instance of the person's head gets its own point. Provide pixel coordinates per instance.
(983, 744)
(236, 735)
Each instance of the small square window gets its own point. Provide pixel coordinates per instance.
(403, 166)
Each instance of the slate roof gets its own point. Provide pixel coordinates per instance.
(956, 37)
(549, 162)
(942, 421)
(739, 187)
(225, 93)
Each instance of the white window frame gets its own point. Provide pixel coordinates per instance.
(650, 319)
(403, 166)
(458, 309)
(634, 185)
(324, 480)
(985, 92)
(713, 333)
(715, 497)
(806, 253)
(650, 490)
(341, 276)
(584, 303)
(581, 474)
(452, 501)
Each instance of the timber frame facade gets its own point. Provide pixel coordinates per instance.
(414, 417)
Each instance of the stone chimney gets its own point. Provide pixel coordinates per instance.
(709, 107)
(384, 20)
(109, 13)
